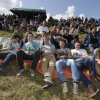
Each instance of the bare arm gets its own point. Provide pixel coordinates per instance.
(84, 56)
(48, 53)
(66, 56)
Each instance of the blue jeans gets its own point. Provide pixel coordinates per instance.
(93, 46)
(67, 63)
(7, 57)
(87, 63)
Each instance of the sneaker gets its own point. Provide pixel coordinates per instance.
(32, 72)
(93, 91)
(75, 88)
(20, 72)
(65, 88)
(47, 79)
(47, 85)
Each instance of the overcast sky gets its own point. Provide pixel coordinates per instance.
(56, 8)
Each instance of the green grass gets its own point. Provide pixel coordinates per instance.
(27, 88)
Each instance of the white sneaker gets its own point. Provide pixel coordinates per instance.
(65, 88)
(20, 72)
(32, 72)
(75, 88)
(47, 85)
(47, 79)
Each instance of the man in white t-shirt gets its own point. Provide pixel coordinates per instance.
(43, 28)
(10, 49)
(83, 61)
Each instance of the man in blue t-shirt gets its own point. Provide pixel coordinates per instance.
(31, 52)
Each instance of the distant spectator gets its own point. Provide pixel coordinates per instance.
(5, 25)
(23, 24)
(20, 34)
(43, 28)
(44, 35)
(69, 40)
(53, 31)
(74, 32)
(16, 23)
(92, 40)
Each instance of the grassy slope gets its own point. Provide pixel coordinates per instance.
(27, 88)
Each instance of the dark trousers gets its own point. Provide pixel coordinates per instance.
(87, 63)
(21, 56)
(7, 57)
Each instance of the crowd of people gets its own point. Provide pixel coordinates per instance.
(58, 47)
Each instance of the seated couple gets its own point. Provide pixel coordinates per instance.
(30, 51)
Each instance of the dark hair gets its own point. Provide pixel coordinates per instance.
(17, 27)
(44, 32)
(30, 33)
(16, 37)
(67, 29)
(29, 28)
(61, 40)
(77, 42)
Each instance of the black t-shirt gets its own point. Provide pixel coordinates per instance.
(69, 38)
(58, 36)
(16, 22)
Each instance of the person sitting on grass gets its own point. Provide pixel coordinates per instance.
(48, 62)
(64, 56)
(92, 40)
(84, 61)
(31, 52)
(9, 51)
(96, 54)
(20, 34)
